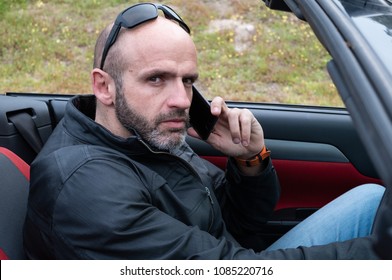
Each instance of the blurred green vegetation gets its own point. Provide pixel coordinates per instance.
(47, 46)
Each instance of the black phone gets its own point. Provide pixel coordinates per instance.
(200, 115)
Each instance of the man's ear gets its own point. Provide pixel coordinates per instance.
(103, 86)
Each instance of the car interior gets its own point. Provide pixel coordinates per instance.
(316, 152)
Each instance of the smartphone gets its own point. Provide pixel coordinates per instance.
(200, 115)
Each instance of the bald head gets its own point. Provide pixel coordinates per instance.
(154, 36)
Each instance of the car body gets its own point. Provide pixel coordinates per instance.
(318, 152)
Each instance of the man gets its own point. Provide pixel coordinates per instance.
(117, 180)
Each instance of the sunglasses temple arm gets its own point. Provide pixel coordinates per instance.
(110, 41)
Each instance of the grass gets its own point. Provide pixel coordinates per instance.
(47, 46)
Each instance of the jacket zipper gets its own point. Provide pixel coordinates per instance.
(212, 208)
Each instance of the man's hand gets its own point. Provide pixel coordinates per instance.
(237, 132)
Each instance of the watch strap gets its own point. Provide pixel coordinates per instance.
(256, 160)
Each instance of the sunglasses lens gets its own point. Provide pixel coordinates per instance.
(137, 15)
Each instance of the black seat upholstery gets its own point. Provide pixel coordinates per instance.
(14, 187)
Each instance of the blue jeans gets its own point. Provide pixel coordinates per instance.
(349, 216)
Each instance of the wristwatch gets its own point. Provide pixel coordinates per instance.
(256, 160)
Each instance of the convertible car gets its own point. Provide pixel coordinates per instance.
(318, 152)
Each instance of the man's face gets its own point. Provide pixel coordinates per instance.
(156, 91)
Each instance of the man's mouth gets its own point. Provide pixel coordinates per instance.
(176, 123)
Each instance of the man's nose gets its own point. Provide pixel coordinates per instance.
(180, 96)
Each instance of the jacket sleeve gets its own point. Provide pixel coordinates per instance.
(247, 202)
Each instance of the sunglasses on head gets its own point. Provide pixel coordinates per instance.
(136, 15)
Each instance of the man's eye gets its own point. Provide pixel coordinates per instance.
(188, 81)
(155, 79)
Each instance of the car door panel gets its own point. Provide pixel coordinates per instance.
(311, 179)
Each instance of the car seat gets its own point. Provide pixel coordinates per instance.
(14, 188)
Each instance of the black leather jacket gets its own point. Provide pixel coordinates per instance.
(97, 196)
